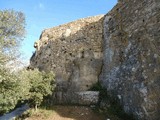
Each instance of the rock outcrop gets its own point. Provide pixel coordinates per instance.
(74, 52)
(131, 68)
(130, 38)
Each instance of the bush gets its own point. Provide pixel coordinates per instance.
(31, 86)
(9, 91)
(41, 84)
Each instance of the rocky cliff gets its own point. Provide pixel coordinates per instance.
(129, 38)
(131, 68)
(74, 52)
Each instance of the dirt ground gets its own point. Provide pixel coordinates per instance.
(67, 113)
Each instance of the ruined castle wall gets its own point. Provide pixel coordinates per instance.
(73, 51)
(130, 55)
(131, 68)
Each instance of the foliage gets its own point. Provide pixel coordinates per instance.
(25, 85)
(12, 30)
(11, 34)
(30, 86)
(41, 84)
(9, 91)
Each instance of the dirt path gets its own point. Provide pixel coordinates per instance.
(68, 113)
(14, 113)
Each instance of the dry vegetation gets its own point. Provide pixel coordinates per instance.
(66, 113)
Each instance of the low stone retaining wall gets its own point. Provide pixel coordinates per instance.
(79, 98)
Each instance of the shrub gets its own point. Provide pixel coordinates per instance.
(41, 84)
(31, 86)
(9, 91)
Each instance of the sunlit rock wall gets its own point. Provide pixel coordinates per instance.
(73, 51)
(131, 68)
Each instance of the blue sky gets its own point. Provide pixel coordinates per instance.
(42, 14)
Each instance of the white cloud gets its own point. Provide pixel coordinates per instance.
(41, 6)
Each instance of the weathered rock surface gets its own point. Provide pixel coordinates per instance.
(131, 57)
(131, 68)
(78, 98)
(74, 52)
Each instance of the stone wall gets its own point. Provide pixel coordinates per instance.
(77, 98)
(73, 51)
(131, 57)
(131, 68)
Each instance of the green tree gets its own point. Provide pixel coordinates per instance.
(31, 85)
(12, 31)
(9, 91)
(41, 84)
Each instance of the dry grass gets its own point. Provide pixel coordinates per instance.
(66, 113)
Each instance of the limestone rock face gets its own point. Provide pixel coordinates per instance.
(131, 68)
(74, 52)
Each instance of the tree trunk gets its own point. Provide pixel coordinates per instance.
(36, 107)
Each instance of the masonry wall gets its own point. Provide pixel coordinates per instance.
(131, 70)
(74, 52)
(125, 42)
